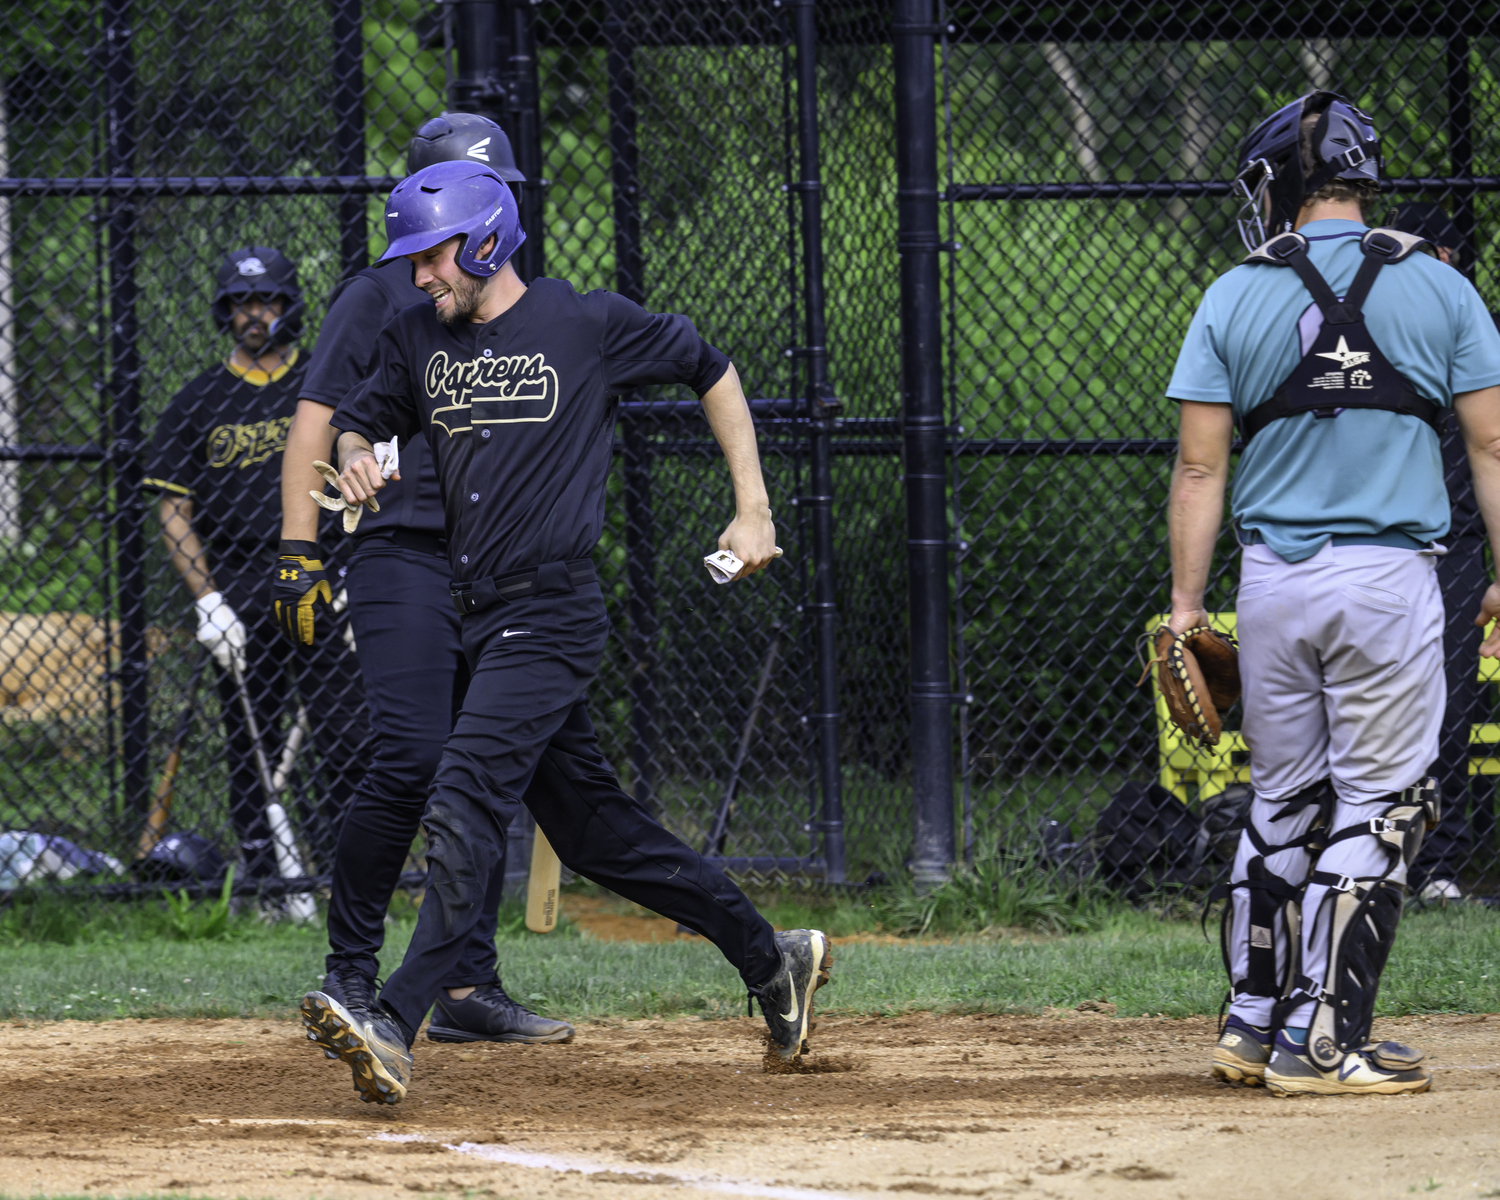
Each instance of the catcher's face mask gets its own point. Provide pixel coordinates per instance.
(1253, 187)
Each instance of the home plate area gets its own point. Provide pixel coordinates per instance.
(1066, 1104)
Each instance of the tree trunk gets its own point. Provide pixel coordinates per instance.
(1085, 130)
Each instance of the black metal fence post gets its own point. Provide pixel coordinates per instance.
(349, 136)
(640, 534)
(478, 40)
(523, 99)
(822, 408)
(924, 437)
(125, 406)
(1461, 143)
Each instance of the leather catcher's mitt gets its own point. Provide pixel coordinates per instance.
(1198, 672)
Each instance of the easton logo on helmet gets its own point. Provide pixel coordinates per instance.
(252, 266)
(477, 150)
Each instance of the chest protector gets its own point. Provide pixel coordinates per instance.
(1343, 368)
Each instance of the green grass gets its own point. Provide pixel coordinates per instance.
(1144, 963)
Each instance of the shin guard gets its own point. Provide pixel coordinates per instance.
(1362, 917)
(1272, 903)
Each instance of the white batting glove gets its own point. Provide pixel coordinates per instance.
(388, 457)
(221, 630)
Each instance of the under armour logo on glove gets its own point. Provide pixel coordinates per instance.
(300, 589)
(387, 455)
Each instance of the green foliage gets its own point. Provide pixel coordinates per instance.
(1144, 963)
(1002, 889)
(52, 918)
(191, 920)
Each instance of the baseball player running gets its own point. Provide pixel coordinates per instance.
(1335, 349)
(406, 634)
(214, 457)
(514, 387)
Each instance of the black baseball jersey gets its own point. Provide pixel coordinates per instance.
(220, 442)
(520, 413)
(358, 310)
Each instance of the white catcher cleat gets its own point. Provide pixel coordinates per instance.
(1388, 1069)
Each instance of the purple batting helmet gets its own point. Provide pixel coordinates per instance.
(453, 199)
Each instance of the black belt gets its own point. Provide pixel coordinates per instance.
(407, 539)
(549, 579)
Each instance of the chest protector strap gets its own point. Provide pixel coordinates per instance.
(1343, 368)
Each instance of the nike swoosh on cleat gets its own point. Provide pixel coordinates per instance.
(791, 1016)
(1346, 1071)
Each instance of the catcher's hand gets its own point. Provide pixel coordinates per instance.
(1198, 671)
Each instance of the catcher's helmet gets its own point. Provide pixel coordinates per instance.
(259, 271)
(453, 199)
(463, 137)
(1344, 146)
(1428, 220)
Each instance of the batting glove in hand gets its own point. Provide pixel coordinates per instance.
(300, 586)
(221, 631)
(387, 456)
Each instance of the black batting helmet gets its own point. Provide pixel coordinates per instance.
(259, 271)
(179, 858)
(1345, 146)
(463, 137)
(1428, 220)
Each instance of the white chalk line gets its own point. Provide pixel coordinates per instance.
(583, 1166)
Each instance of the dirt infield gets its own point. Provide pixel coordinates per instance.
(1072, 1105)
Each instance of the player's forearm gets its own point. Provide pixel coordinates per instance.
(1194, 515)
(728, 415)
(185, 548)
(1485, 465)
(351, 447)
(1479, 417)
(1195, 510)
(309, 439)
(359, 473)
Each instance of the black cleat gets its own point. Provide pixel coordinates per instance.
(368, 1040)
(487, 1014)
(787, 1001)
(352, 988)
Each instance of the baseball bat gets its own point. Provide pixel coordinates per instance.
(288, 862)
(719, 831)
(161, 797)
(542, 885)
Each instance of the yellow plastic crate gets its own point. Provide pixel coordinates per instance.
(1185, 764)
(1210, 771)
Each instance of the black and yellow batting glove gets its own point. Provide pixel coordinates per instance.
(300, 585)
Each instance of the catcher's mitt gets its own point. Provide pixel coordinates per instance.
(1198, 672)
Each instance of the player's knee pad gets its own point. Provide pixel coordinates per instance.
(1362, 915)
(1273, 903)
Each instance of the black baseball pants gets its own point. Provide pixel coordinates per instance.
(415, 675)
(525, 732)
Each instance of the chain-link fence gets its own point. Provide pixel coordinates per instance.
(1003, 214)
(1084, 157)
